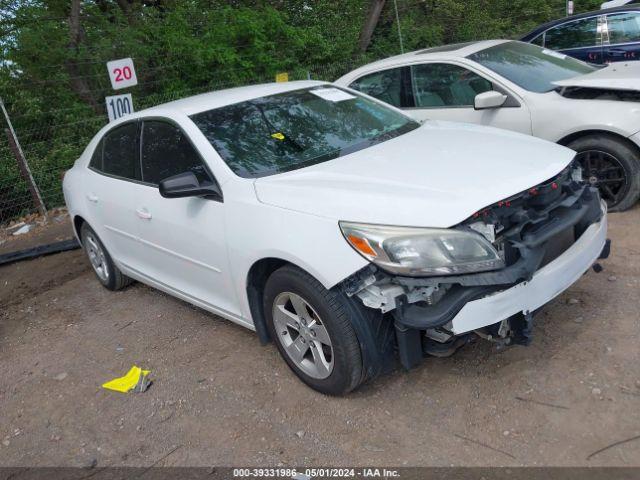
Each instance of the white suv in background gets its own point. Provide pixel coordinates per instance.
(335, 225)
(617, 3)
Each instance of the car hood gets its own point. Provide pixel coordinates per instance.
(616, 76)
(435, 176)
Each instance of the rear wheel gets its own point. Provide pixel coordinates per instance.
(612, 166)
(312, 330)
(107, 272)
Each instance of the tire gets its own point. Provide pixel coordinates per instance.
(598, 155)
(106, 271)
(324, 308)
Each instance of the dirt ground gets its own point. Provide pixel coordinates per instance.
(56, 229)
(219, 398)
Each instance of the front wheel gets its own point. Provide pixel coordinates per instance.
(612, 166)
(312, 330)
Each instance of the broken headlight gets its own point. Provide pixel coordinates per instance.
(422, 251)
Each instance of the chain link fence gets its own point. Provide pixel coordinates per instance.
(52, 146)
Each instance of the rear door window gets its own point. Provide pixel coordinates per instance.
(120, 155)
(576, 34)
(96, 158)
(387, 86)
(166, 151)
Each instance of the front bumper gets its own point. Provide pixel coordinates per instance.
(551, 259)
(549, 239)
(547, 283)
(635, 139)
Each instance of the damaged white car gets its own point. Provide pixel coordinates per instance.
(522, 87)
(335, 226)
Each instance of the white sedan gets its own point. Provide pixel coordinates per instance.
(522, 87)
(335, 225)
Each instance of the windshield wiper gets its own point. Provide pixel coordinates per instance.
(275, 130)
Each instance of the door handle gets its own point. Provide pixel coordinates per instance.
(92, 198)
(143, 213)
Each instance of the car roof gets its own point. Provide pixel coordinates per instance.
(229, 96)
(616, 3)
(443, 52)
(546, 26)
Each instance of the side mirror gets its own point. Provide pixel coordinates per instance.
(491, 99)
(187, 185)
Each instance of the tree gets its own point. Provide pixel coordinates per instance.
(53, 76)
(76, 36)
(370, 22)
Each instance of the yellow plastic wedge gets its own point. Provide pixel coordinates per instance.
(135, 379)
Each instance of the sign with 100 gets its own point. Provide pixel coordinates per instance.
(119, 106)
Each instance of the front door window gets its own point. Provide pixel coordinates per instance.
(441, 85)
(166, 151)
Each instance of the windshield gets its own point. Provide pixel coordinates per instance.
(531, 67)
(295, 129)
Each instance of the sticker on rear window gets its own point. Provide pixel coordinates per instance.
(332, 94)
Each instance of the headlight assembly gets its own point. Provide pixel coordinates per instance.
(422, 251)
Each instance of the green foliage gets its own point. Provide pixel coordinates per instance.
(436, 22)
(54, 81)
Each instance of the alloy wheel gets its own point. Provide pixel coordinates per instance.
(303, 335)
(604, 171)
(97, 257)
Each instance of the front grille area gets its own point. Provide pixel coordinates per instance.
(529, 230)
(557, 245)
(547, 218)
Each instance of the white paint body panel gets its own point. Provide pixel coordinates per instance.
(619, 75)
(184, 246)
(435, 176)
(545, 115)
(517, 119)
(114, 214)
(546, 284)
(614, 3)
(202, 251)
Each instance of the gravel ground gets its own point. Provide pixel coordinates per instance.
(219, 398)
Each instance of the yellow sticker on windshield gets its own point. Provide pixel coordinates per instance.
(277, 136)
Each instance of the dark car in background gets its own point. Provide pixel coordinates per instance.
(603, 36)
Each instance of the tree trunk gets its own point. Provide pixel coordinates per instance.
(78, 84)
(370, 22)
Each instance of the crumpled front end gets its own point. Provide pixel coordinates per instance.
(547, 236)
(609, 94)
